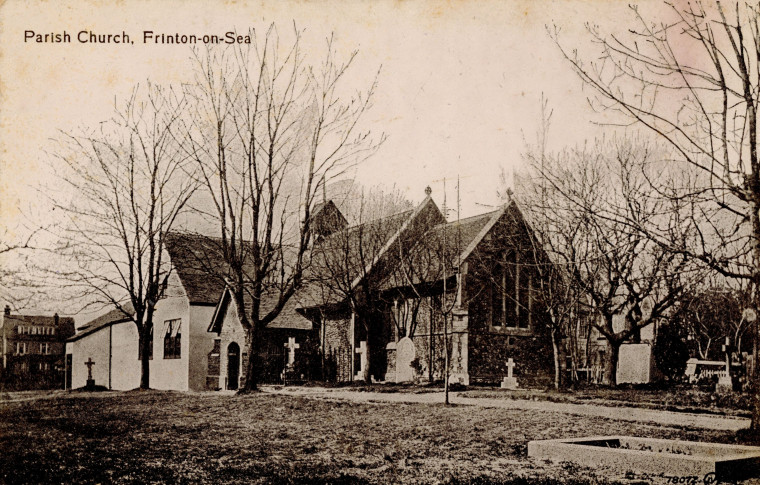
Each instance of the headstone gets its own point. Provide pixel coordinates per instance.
(509, 382)
(362, 351)
(292, 346)
(634, 364)
(405, 354)
(90, 380)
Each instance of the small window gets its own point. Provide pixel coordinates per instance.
(45, 348)
(20, 348)
(173, 339)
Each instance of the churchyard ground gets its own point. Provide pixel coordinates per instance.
(169, 437)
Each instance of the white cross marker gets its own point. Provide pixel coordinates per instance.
(362, 350)
(292, 346)
(510, 366)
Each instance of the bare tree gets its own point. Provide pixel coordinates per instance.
(129, 182)
(552, 237)
(623, 275)
(266, 130)
(351, 265)
(694, 80)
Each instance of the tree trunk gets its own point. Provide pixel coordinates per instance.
(252, 369)
(143, 336)
(557, 360)
(755, 220)
(611, 363)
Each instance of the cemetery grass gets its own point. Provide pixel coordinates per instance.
(170, 437)
(683, 398)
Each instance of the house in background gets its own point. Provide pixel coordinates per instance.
(33, 350)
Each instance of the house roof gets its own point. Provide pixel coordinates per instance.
(107, 319)
(41, 320)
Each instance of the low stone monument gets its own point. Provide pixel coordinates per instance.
(405, 354)
(682, 461)
(509, 382)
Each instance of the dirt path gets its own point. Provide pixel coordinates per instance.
(668, 418)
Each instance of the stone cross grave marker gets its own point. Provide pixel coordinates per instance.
(89, 365)
(405, 354)
(509, 382)
(362, 351)
(90, 380)
(292, 346)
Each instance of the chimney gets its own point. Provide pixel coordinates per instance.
(56, 319)
(7, 310)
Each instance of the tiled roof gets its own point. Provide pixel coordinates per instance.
(110, 318)
(200, 264)
(424, 261)
(41, 320)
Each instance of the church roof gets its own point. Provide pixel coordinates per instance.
(348, 255)
(200, 264)
(112, 317)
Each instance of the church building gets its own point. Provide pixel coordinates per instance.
(378, 301)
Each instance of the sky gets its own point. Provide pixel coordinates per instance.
(459, 88)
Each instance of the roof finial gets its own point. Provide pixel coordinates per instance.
(509, 194)
(428, 191)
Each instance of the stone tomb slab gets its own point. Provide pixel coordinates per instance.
(708, 462)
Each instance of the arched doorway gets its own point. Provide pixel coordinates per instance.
(233, 366)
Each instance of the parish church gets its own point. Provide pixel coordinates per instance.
(379, 301)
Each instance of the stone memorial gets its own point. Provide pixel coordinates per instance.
(684, 461)
(405, 354)
(90, 381)
(509, 382)
(362, 352)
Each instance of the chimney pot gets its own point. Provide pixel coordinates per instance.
(428, 191)
(7, 309)
(56, 318)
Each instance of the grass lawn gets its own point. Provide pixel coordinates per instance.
(168, 437)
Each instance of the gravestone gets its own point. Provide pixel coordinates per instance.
(405, 354)
(90, 381)
(362, 352)
(509, 382)
(292, 346)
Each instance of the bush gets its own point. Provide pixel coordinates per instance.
(671, 352)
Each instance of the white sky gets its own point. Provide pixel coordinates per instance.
(459, 88)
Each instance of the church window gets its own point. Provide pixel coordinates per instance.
(173, 339)
(511, 294)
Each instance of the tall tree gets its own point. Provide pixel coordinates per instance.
(693, 79)
(624, 276)
(129, 181)
(351, 265)
(266, 130)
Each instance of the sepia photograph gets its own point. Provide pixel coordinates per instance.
(343, 241)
